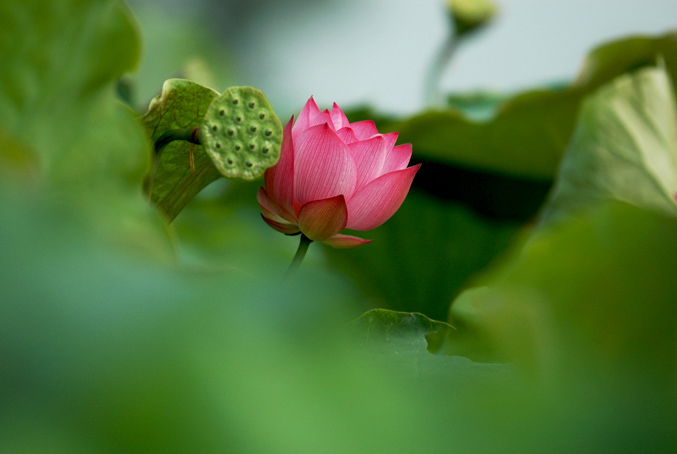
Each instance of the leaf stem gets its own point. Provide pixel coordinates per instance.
(298, 258)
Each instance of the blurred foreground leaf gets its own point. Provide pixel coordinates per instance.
(586, 311)
(404, 340)
(594, 294)
(106, 352)
(57, 102)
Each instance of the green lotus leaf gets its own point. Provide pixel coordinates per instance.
(182, 169)
(624, 148)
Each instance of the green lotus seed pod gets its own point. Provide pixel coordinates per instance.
(241, 133)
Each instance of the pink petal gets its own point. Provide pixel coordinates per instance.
(364, 129)
(338, 117)
(321, 219)
(390, 139)
(282, 227)
(380, 199)
(347, 135)
(309, 111)
(279, 179)
(339, 241)
(268, 207)
(323, 166)
(322, 117)
(273, 210)
(369, 156)
(397, 159)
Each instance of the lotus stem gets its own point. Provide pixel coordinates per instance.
(298, 258)
(442, 59)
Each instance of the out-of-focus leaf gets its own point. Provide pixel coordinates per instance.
(477, 106)
(469, 15)
(530, 131)
(422, 257)
(525, 139)
(41, 61)
(404, 341)
(19, 164)
(609, 60)
(60, 61)
(398, 331)
(183, 169)
(596, 292)
(585, 307)
(600, 275)
(586, 311)
(624, 148)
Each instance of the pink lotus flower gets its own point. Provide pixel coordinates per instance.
(332, 175)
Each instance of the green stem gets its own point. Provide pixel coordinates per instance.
(298, 258)
(432, 89)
